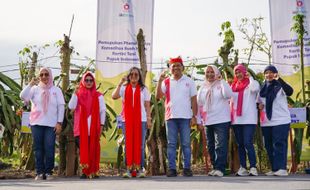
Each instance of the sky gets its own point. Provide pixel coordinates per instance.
(181, 27)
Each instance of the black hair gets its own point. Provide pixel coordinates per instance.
(140, 82)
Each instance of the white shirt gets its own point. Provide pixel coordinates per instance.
(280, 111)
(144, 97)
(219, 111)
(249, 109)
(56, 104)
(102, 108)
(181, 92)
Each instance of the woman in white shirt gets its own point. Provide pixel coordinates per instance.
(89, 118)
(244, 117)
(275, 119)
(46, 117)
(136, 116)
(214, 112)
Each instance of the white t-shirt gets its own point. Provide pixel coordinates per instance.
(102, 109)
(56, 104)
(181, 92)
(144, 96)
(280, 112)
(249, 109)
(219, 111)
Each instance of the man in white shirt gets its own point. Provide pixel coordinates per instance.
(181, 111)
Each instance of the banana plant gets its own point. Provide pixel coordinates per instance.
(9, 104)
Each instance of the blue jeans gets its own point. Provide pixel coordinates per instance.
(44, 148)
(173, 128)
(275, 140)
(244, 136)
(217, 139)
(144, 130)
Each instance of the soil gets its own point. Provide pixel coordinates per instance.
(9, 172)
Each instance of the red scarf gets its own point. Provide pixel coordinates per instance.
(88, 105)
(239, 86)
(133, 123)
(167, 101)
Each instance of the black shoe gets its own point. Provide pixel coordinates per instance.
(96, 176)
(172, 173)
(83, 176)
(40, 177)
(187, 172)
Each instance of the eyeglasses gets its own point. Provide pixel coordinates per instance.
(44, 74)
(88, 80)
(134, 74)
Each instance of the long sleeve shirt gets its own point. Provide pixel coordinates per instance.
(56, 106)
(219, 111)
(249, 108)
(280, 112)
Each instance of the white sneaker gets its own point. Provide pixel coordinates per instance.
(141, 174)
(253, 172)
(218, 173)
(270, 173)
(281, 173)
(127, 174)
(211, 173)
(242, 172)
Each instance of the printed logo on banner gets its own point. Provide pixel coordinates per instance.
(126, 7)
(300, 7)
(127, 12)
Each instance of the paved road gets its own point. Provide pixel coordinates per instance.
(298, 182)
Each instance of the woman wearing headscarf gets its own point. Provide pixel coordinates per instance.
(275, 119)
(244, 117)
(136, 116)
(46, 117)
(214, 113)
(89, 118)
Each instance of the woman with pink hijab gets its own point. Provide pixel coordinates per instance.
(46, 117)
(213, 105)
(244, 117)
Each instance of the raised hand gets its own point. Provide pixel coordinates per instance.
(33, 81)
(162, 76)
(121, 82)
(276, 76)
(219, 77)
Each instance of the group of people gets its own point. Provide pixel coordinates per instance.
(221, 105)
(216, 107)
(46, 117)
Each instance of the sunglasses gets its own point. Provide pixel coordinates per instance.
(44, 74)
(134, 74)
(88, 80)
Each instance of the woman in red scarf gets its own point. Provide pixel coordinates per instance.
(89, 118)
(136, 117)
(244, 117)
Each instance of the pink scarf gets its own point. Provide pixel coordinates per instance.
(209, 86)
(45, 96)
(46, 87)
(239, 86)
